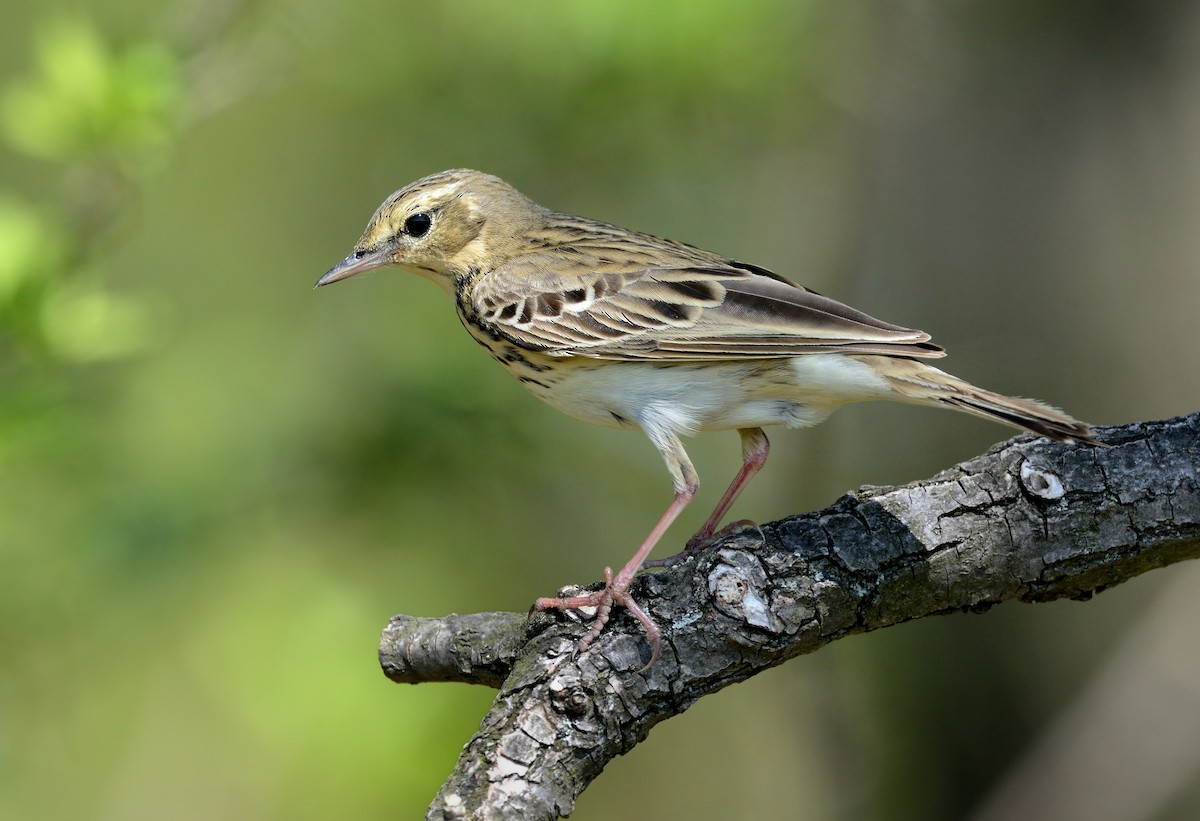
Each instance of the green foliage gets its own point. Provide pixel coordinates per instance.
(86, 100)
(99, 114)
(84, 324)
(31, 248)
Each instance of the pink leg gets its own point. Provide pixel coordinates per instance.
(754, 455)
(616, 590)
(755, 448)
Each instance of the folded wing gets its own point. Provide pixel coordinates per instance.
(698, 311)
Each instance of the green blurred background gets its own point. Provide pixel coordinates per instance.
(216, 484)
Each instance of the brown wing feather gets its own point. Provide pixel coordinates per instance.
(595, 306)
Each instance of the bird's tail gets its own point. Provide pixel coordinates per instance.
(925, 384)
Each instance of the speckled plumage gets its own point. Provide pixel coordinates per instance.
(625, 329)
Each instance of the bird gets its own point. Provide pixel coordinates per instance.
(624, 329)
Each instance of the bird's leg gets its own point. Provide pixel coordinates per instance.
(616, 588)
(755, 448)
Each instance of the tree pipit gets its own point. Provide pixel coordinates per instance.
(624, 329)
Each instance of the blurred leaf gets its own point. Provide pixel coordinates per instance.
(83, 99)
(87, 325)
(656, 45)
(29, 246)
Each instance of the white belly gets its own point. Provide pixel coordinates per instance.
(686, 398)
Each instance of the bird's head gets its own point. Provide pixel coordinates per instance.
(437, 227)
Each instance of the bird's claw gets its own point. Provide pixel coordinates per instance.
(615, 591)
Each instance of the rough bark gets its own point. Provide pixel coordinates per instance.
(1031, 520)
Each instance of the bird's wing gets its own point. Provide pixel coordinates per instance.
(701, 311)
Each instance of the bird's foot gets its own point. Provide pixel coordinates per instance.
(615, 591)
(698, 542)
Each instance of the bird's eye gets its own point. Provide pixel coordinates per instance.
(417, 224)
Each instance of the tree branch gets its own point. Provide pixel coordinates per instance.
(1031, 520)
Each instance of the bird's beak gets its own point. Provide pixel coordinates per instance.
(354, 264)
